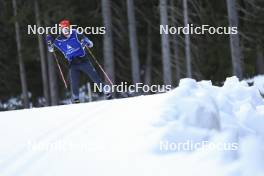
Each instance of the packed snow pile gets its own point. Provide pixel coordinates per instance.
(258, 81)
(196, 129)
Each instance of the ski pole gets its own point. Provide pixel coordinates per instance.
(96, 61)
(61, 73)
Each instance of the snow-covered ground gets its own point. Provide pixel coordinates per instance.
(196, 129)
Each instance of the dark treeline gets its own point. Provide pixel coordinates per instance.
(132, 49)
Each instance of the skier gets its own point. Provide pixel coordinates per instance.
(72, 45)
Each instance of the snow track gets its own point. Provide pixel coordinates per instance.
(21, 160)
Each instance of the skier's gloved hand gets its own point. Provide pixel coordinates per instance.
(51, 48)
(87, 42)
(49, 40)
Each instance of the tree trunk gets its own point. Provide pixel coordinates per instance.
(108, 40)
(52, 75)
(53, 81)
(175, 41)
(234, 39)
(260, 61)
(133, 41)
(187, 41)
(42, 59)
(20, 60)
(147, 80)
(165, 44)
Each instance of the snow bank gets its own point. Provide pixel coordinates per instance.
(258, 82)
(196, 129)
(230, 116)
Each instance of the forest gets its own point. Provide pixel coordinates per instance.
(132, 49)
